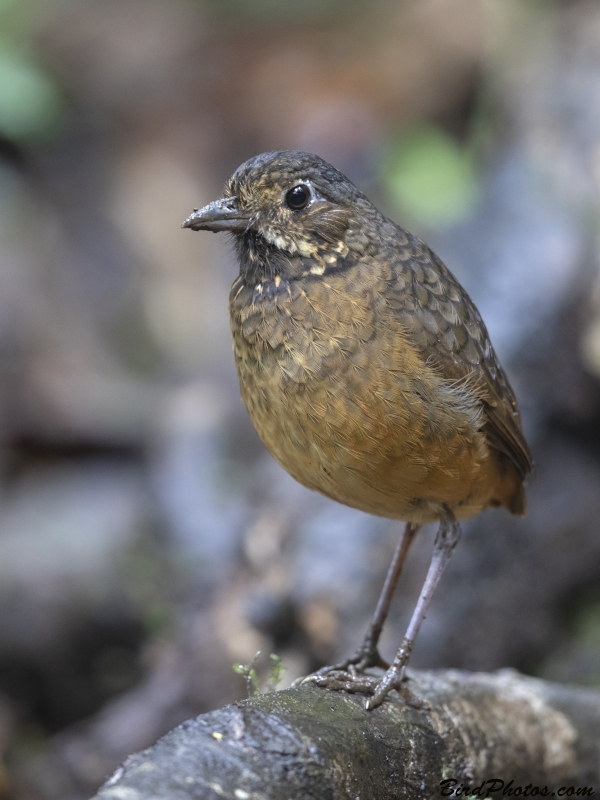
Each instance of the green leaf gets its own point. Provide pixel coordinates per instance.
(249, 673)
(31, 107)
(277, 670)
(430, 177)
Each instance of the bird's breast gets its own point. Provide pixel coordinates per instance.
(343, 401)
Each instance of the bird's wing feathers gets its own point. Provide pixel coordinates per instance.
(443, 323)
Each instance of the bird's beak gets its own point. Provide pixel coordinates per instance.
(220, 215)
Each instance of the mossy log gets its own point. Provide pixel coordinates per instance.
(314, 743)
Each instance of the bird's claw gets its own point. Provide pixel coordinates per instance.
(365, 657)
(342, 680)
(378, 686)
(391, 679)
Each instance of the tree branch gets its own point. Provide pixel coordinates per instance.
(313, 743)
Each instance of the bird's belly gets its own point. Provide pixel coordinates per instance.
(378, 436)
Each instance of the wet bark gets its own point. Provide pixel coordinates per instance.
(307, 743)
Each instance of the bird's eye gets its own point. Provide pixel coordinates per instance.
(298, 197)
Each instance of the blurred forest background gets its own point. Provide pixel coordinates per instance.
(147, 540)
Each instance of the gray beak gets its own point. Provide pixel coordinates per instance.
(220, 215)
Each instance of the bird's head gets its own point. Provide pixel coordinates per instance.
(287, 205)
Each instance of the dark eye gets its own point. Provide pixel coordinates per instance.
(298, 197)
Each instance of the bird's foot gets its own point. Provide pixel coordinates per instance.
(391, 679)
(342, 680)
(378, 686)
(366, 656)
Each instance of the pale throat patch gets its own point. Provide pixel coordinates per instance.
(288, 243)
(323, 255)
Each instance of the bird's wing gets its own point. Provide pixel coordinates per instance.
(443, 323)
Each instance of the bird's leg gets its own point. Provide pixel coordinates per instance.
(367, 654)
(445, 542)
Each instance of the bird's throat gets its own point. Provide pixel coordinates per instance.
(259, 260)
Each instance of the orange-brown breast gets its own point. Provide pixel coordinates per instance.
(347, 403)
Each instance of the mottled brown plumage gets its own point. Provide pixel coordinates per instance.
(364, 365)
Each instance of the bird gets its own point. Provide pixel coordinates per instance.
(367, 371)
